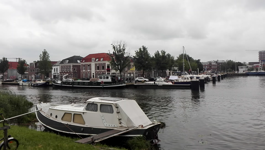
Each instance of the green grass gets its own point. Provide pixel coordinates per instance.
(30, 139)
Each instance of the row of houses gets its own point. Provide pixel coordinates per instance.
(75, 67)
(92, 65)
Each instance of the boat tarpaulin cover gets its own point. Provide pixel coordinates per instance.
(134, 113)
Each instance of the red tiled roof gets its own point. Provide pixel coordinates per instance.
(98, 56)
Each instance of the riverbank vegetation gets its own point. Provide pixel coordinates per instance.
(13, 105)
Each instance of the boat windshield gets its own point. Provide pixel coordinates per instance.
(92, 107)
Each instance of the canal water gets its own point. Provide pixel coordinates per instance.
(227, 115)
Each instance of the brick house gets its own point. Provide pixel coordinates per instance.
(71, 67)
(34, 71)
(95, 64)
(12, 73)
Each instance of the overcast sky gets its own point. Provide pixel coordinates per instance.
(209, 29)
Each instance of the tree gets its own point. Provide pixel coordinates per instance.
(119, 59)
(161, 61)
(4, 66)
(45, 65)
(189, 63)
(21, 68)
(142, 59)
(199, 64)
(171, 62)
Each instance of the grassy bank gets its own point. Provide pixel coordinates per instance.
(36, 140)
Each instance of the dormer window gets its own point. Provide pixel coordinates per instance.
(66, 61)
(96, 59)
(101, 59)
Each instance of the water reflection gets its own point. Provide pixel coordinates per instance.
(195, 95)
(216, 117)
(45, 98)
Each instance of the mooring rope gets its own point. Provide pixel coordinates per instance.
(18, 115)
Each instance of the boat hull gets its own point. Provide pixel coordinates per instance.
(90, 86)
(256, 73)
(70, 129)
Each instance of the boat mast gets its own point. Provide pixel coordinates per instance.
(183, 61)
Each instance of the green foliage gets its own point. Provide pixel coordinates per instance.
(35, 140)
(4, 66)
(231, 66)
(171, 61)
(119, 60)
(21, 68)
(139, 143)
(45, 65)
(142, 59)
(162, 61)
(189, 63)
(199, 64)
(15, 105)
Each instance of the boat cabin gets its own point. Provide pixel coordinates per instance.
(101, 112)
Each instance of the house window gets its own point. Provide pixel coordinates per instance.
(97, 67)
(78, 118)
(96, 59)
(92, 107)
(67, 117)
(84, 67)
(103, 67)
(101, 59)
(106, 108)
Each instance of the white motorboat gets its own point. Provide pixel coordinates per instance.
(159, 81)
(98, 115)
(39, 83)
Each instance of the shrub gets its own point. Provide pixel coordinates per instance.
(15, 105)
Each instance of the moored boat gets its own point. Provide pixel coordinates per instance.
(40, 83)
(98, 115)
(158, 81)
(24, 82)
(103, 81)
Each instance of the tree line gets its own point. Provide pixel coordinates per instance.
(143, 61)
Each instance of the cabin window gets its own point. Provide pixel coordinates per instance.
(91, 107)
(78, 118)
(106, 108)
(67, 117)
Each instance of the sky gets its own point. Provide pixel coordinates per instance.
(208, 29)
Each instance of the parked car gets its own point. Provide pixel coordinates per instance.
(141, 79)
